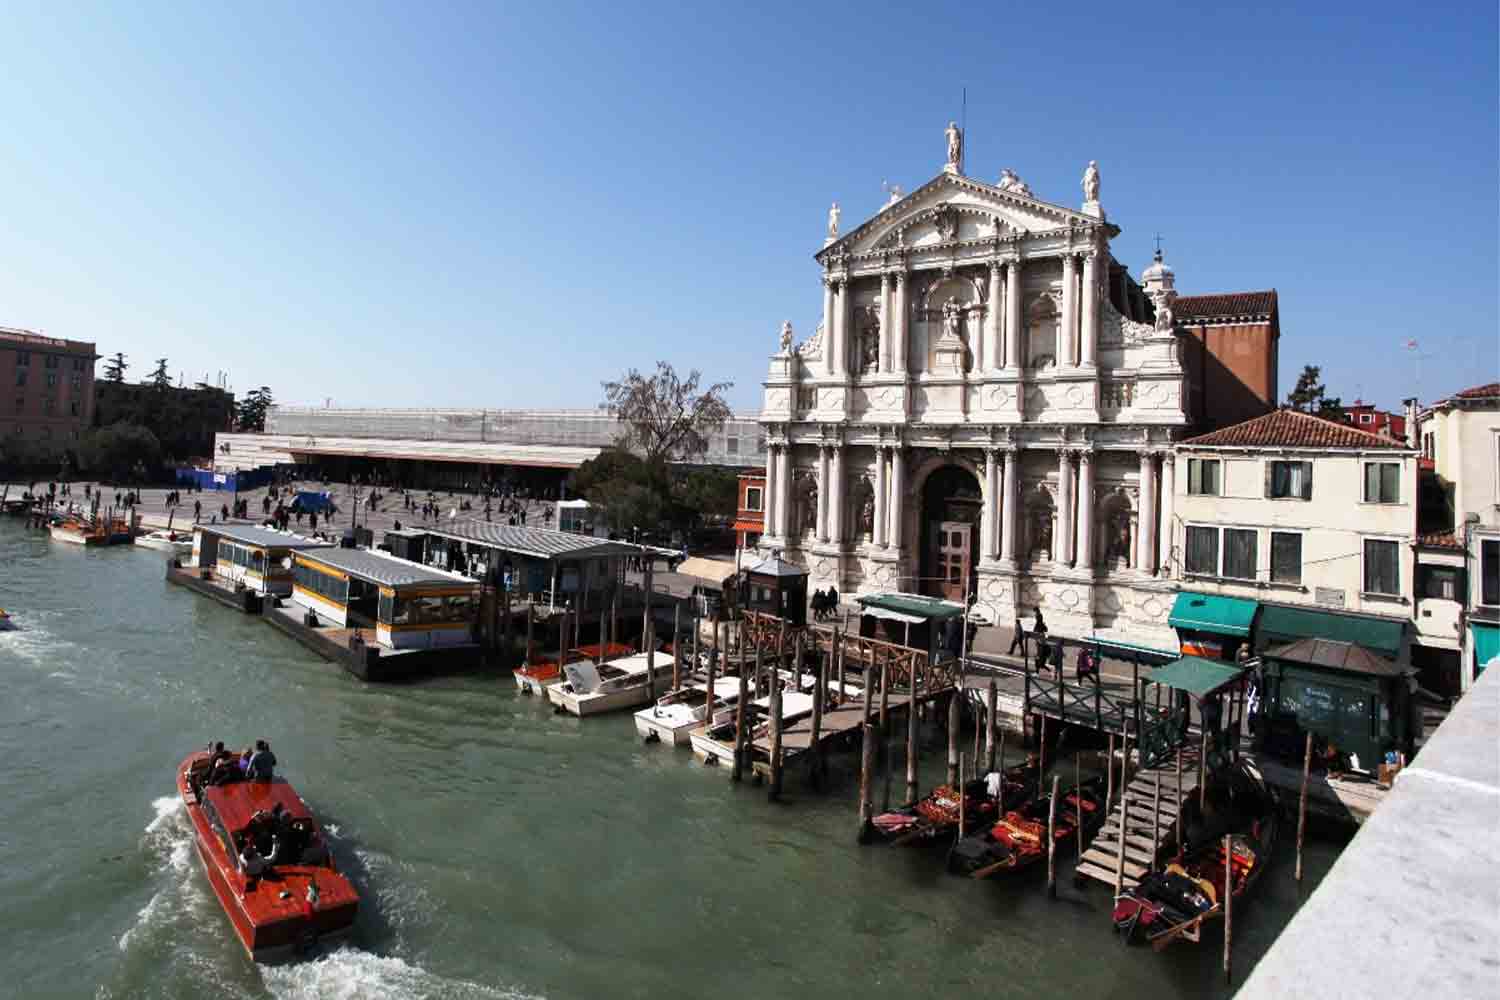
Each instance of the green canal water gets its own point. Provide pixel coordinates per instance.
(501, 851)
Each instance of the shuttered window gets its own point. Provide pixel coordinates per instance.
(1203, 551)
(1239, 553)
(1381, 567)
(1382, 482)
(1289, 480)
(1203, 477)
(1286, 557)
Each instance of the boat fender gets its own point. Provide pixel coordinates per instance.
(652, 737)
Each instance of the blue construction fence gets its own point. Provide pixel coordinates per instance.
(208, 479)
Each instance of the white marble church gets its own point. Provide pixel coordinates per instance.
(987, 409)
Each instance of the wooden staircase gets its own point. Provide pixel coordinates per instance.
(1102, 859)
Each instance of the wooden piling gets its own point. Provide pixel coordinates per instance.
(1228, 903)
(648, 639)
(1109, 773)
(775, 789)
(713, 662)
(1000, 767)
(1203, 770)
(677, 647)
(697, 628)
(1178, 836)
(1120, 853)
(837, 652)
(991, 724)
(530, 626)
(911, 746)
(1041, 760)
(869, 693)
(1078, 803)
(885, 691)
(866, 765)
(1052, 842)
(888, 764)
(759, 659)
(1155, 817)
(820, 691)
(962, 799)
(953, 775)
(739, 724)
(1301, 818)
(974, 757)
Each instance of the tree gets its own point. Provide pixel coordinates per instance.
(159, 378)
(119, 450)
(702, 494)
(251, 415)
(633, 492)
(1310, 395)
(114, 368)
(666, 418)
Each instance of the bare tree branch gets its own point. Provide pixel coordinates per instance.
(665, 417)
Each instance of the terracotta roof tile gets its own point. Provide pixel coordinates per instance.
(1440, 540)
(1224, 305)
(1294, 429)
(1480, 391)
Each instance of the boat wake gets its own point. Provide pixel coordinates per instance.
(168, 846)
(351, 974)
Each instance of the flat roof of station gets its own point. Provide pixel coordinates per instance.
(541, 543)
(382, 569)
(265, 538)
(498, 453)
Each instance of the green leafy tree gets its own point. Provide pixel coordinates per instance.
(1311, 396)
(633, 492)
(120, 451)
(666, 418)
(705, 494)
(114, 368)
(252, 410)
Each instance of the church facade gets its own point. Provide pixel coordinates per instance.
(987, 410)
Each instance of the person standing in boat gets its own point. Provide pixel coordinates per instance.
(262, 765)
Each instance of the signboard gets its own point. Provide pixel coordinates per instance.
(1328, 597)
(220, 479)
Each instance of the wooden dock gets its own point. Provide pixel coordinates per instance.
(837, 723)
(1152, 807)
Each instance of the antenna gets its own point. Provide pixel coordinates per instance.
(963, 117)
(1158, 243)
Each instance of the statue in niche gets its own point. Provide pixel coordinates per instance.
(955, 145)
(869, 349)
(1041, 534)
(833, 222)
(786, 337)
(1163, 315)
(1117, 536)
(867, 515)
(952, 316)
(1091, 182)
(810, 509)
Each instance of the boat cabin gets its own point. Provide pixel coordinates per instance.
(410, 606)
(1343, 693)
(776, 587)
(260, 558)
(930, 624)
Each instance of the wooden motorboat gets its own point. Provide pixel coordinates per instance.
(6, 625)
(542, 670)
(279, 887)
(935, 816)
(592, 688)
(1018, 839)
(676, 714)
(1174, 903)
(175, 542)
(77, 529)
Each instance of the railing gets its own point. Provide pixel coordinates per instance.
(903, 667)
(1082, 703)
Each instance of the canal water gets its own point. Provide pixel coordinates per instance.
(501, 851)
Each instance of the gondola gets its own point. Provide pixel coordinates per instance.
(1018, 839)
(935, 816)
(1174, 903)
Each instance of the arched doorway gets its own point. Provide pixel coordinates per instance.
(951, 505)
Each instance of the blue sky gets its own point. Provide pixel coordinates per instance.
(503, 204)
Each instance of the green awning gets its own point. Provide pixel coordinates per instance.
(1212, 613)
(1197, 676)
(1486, 646)
(1280, 624)
(909, 607)
(1129, 650)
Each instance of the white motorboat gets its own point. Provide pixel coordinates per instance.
(177, 543)
(595, 688)
(717, 742)
(678, 713)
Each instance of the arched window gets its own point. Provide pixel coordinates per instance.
(1041, 333)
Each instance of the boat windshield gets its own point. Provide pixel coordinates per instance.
(582, 675)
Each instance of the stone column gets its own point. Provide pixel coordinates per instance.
(784, 493)
(901, 350)
(1165, 535)
(885, 322)
(1086, 509)
(823, 493)
(992, 312)
(1145, 520)
(836, 496)
(992, 506)
(827, 325)
(1062, 541)
(898, 498)
(1013, 352)
(1008, 507)
(1067, 330)
(1089, 332)
(841, 326)
(881, 485)
(768, 505)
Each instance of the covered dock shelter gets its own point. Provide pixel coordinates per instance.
(410, 606)
(255, 556)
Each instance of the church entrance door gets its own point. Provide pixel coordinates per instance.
(951, 559)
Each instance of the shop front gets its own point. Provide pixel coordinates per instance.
(1211, 626)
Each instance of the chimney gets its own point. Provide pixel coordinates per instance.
(1412, 440)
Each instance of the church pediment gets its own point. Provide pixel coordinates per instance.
(952, 208)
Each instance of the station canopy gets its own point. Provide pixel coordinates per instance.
(384, 570)
(912, 609)
(1197, 676)
(539, 543)
(263, 538)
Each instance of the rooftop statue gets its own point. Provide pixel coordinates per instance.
(786, 337)
(1091, 182)
(833, 222)
(1010, 182)
(955, 147)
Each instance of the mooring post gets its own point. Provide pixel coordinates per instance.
(911, 745)
(866, 764)
(739, 724)
(1041, 760)
(839, 658)
(713, 662)
(697, 628)
(869, 693)
(677, 645)
(1301, 808)
(1000, 768)
(530, 625)
(1203, 769)
(888, 764)
(953, 775)
(820, 691)
(508, 657)
(1155, 817)
(885, 689)
(1125, 760)
(1078, 803)
(962, 799)
(775, 789)
(1120, 853)
(1052, 842)
(648, 639)
(1228, 903)
(562, 645)
(991, 725)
